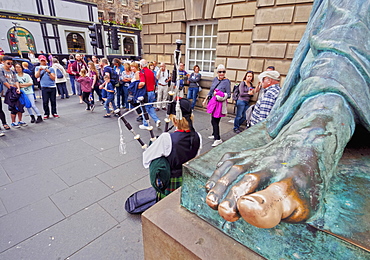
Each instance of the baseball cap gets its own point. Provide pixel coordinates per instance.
(270, 74)
(41, 57)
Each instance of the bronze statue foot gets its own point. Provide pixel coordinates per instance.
(284, 179)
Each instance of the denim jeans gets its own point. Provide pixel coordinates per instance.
(62, 87)
(150, 109)
(193, 94)
(72, 80)
(241, 108)
(49, 94)
(119, 95)
(106, 104)
(125, 96)
(34, 107)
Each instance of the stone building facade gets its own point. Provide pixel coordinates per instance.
(119, 10)
(251, 35)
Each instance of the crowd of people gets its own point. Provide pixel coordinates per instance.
(125, 85)
(119, 85)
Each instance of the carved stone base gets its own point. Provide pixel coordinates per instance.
(172, 232)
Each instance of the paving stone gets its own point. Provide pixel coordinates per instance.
(124, 175)
(122, 242)
(81, 195)
(66, 237)
(80, 170)
(142, 183)
(26, 222)
(47, 158)
(4, 178)
(114, 204)
(29, 190)
(2, 209)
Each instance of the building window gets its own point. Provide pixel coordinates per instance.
(137, 4)
(112, 16)
(100, 15)
(125, 19)
(124, 2)
(110, 1)
(201, 42)
(75, 43)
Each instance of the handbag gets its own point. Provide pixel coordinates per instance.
(141, 200)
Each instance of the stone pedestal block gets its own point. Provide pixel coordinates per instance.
(172, 232)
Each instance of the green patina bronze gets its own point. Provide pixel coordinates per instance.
(326, 95)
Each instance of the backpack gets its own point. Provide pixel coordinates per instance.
(141, 201)
(59, 74)
(236, 92)
(114, 78)
(69, 69)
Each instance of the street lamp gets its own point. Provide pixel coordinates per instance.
(16, 37)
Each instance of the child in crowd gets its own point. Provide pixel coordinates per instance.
(108, 87)
(86, 87)
(173, 150)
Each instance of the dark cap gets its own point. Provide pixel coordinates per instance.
(7, 58)
(185, 106)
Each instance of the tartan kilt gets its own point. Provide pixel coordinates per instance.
(175, 183)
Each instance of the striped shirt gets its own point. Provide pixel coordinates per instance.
(265, 104)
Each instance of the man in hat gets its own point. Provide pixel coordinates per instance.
(177, 148)
(48, 87)
(271, 88)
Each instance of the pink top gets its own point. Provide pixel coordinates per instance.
(214, 107)
(85, 83)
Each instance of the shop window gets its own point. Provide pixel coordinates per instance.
(75, 43)
(129, 46)
(201, 42)
(20, 40)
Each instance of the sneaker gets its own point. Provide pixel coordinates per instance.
(143, 127)
(216, 142)
(106, 116)
(15, 125)
(157, 109)
(21, 123)
(163, 108)
(237, 131)
(2, 133)
(92, 107)
(46, 117)
(211, 137)
(139, 118)
(56, 116)
(158, 123)
(87, 109)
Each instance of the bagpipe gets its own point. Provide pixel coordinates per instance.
(173, 95)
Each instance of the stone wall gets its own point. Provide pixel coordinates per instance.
(251, 34)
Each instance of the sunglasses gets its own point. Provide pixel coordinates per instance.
(8, 63)
(222, 71)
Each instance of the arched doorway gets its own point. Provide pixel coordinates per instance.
(75, 43)
(129, 47)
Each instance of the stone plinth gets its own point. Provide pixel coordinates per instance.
(172, 232)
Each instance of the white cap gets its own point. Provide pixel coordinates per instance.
(273, 74)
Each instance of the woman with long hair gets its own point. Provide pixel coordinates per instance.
(242, 103)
